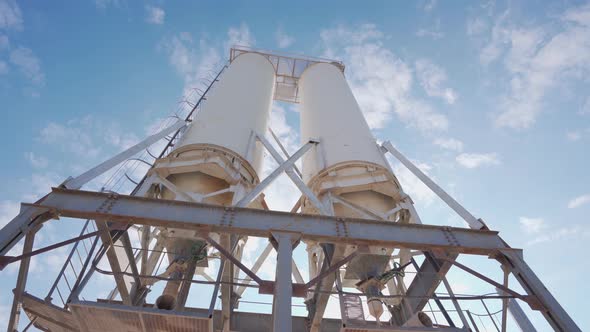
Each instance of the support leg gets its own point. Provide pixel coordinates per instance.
(556, 316)
(282, 320)
(21, 282)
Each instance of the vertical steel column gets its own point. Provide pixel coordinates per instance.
(21, 282)
(282, 320)
(504, 301)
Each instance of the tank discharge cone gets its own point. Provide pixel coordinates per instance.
(349, 174)
(216, 161)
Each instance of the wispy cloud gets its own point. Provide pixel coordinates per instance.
(532, 225)
(474, 160)
(381, 81)
(196, 61)
(579, 201)
(557, 234)
(10, 15)
(411, 185)
(449, 144)
(433, 32)
(239, 36)
(103, 4)
(476, 26)
(433, 78)
(36, 161)
(537, 58)
(283, 39)
(586, 107)
(155, 15)
(429, 5)
(24, 59)
(574, 135)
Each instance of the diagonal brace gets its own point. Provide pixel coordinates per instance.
(294, 177)
(269, 179)
(332, 269)
(484, 278)
(79, 181)
(234, 260)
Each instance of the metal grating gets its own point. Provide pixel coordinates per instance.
(159, 323)
(47, 316)
(93, 317)
(288, 70)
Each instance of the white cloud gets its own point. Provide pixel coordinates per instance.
(476, 26)
(411, 185)
(433, 32)
(532, 225)
(429, 5)
(432, 78)
(573, 136)
(87, 137)
(74, 137)
(537, 59)
(102, 4)
(155, 15)
(553, 235)
(36, 161)
(28, 64)
(586, 107)
(579, 201)
(3, 67)
(239, 36)
(10, 15)
(195, 61)
(283, 39)
(191, 64)
(449, 144)
(474, 160)
(8, 210)
(380, 81)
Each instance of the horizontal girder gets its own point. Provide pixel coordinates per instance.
(252, 222)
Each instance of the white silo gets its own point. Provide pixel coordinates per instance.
(217, 159)
(347, 171)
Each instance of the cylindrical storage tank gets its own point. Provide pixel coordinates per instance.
(346, 171)
(217, 158)
(347, 162)
(239, 103)
(330, 113)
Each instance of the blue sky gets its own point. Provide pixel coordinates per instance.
(489, 98)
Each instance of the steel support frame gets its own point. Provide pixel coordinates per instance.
(154, 212)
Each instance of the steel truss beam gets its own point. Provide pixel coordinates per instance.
(253, 222)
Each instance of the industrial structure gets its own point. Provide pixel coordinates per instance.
(202, 201)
